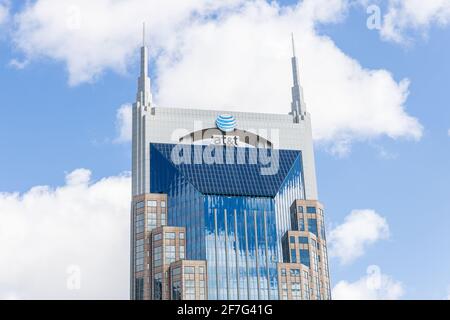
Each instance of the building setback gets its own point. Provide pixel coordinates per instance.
(225, 204)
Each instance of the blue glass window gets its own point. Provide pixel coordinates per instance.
(304, 257)
(221, 178)
(140, 205)
(292, 239)
(312, 226)
(322, 231)
(139, 293)
(293, 256)
(311, 209)
(301, 224)
(230, 215)
(303, 240)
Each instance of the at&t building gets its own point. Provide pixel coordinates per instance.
(225, 204)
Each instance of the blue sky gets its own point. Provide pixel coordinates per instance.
(50, 127)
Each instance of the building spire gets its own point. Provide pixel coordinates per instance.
(293, 45)
(144, 95)
(143, 34)
(298, 108)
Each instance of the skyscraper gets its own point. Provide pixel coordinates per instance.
(225, 204)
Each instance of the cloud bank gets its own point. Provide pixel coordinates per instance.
(69, 242)
(124, 122)
(231, 54)
(361, 228)
(405, 18)
(374, 286)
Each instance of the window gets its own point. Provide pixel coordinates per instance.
(292, 239)
(140, 245)
(300, 209)
(293, 256)
(170, 235)
(181, 252)
(189, 283)
(163, 219)
(296, 291)
(301, 224)
(176, 290)
(181, 235)
(139, 265)
(310, 209)
(306, 293)
(139, 255)
(157, 256)
(201, 270)
(312, 226)
(189, 270)
(295, 272)
(157, 287)
(316, 262)
(157, 237)
(284, 291)
(151, 221)
(140, 205)
(304, 257)
(139, 289)
(151, 203)
(163, 204)
(139, 223)
(303, 240)
(322, 231)
(283, 272)
(176, 271)
(189, 286)
(170, 254)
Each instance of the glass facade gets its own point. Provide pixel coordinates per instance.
(234, 216)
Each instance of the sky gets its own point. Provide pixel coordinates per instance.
(375, 76)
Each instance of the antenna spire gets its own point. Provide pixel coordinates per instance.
(293, 45)
(143, 34)
(298, 107)
(144, 95)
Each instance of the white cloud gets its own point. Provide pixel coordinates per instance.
(18, 64)
(238, 60)
(374, 286)
(124, 118)
(241, 62)
(412, 16)
(361, 228)
(4, 12)
(92, 36)
(46, 230)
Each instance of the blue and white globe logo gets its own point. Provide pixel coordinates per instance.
(226, 122)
